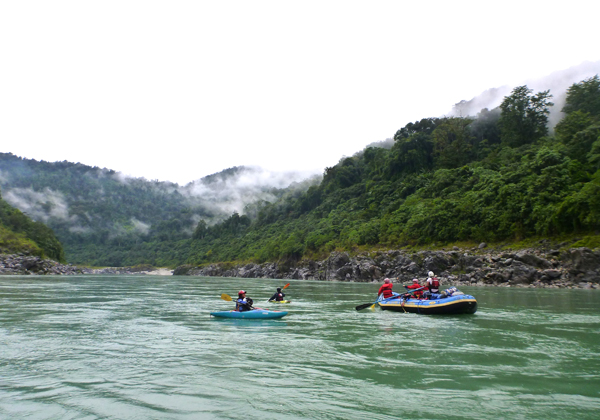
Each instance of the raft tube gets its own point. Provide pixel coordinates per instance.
(453, 305)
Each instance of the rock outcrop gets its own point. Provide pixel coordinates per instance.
(27, 264)
(22, 264)
(576, 267)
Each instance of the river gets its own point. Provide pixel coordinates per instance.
(145, 347)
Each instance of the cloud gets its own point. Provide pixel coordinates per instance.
(232, 190)
(557, 82)
(40, 206)
(140, 227)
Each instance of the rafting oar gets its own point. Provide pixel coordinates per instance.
(410, 292)
(366, 305)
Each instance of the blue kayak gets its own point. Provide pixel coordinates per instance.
(253, 314)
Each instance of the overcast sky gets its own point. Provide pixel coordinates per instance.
(176, 90)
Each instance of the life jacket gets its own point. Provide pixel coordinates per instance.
(243, 305)
(386, 289)
(434, 286)
(417, 294)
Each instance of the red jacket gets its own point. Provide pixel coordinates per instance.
(416, 286)
(386, 289)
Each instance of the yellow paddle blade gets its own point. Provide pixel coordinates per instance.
(226, 297)
(372, 307)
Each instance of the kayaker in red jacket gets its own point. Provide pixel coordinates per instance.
(416, 285)
(386, 289)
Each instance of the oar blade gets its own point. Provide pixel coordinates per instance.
(363, 306)
(285, 287)
(226, 297)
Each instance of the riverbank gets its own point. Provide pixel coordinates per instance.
(22, 264)
(535, 268)
(540, 267)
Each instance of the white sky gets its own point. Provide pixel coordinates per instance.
(176, 90)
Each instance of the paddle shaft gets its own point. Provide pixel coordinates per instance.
(283, 288)
(230, 299)
(366, 305)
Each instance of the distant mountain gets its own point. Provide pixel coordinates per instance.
(105, 218)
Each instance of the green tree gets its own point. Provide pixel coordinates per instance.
(200, 231)
(578, 132)
(452, 143)
(524, 116)
(584, 96)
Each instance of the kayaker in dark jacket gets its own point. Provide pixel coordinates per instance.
(386, 289)
(277, 296)
(243, 303)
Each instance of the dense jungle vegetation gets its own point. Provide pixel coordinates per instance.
(497, 176)
(20, 234)
(106, 219)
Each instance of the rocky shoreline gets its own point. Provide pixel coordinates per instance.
(543, 268)
(21, 264)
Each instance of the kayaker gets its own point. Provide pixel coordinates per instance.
(243, 303)
(278, 296)
(386, 289)
(416, 285)
(433, 285)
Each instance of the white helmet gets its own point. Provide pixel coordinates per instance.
(430, 274)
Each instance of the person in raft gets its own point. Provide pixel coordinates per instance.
(418, 294)
(433, 286)
(278, 296)
(386, 289)
(243, 303)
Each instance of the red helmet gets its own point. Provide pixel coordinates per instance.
(241, 292)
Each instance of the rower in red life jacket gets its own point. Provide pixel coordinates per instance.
(386, 289)
(416, 285)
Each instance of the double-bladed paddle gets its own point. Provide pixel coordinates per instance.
(229, 299)
(283, 288)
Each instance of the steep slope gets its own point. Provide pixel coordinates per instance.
(20, 234)
(105, 218)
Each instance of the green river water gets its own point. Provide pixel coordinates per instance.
(145, 347)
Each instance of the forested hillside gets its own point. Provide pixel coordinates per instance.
(106, 219)
(497, 176)
(20, 234)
